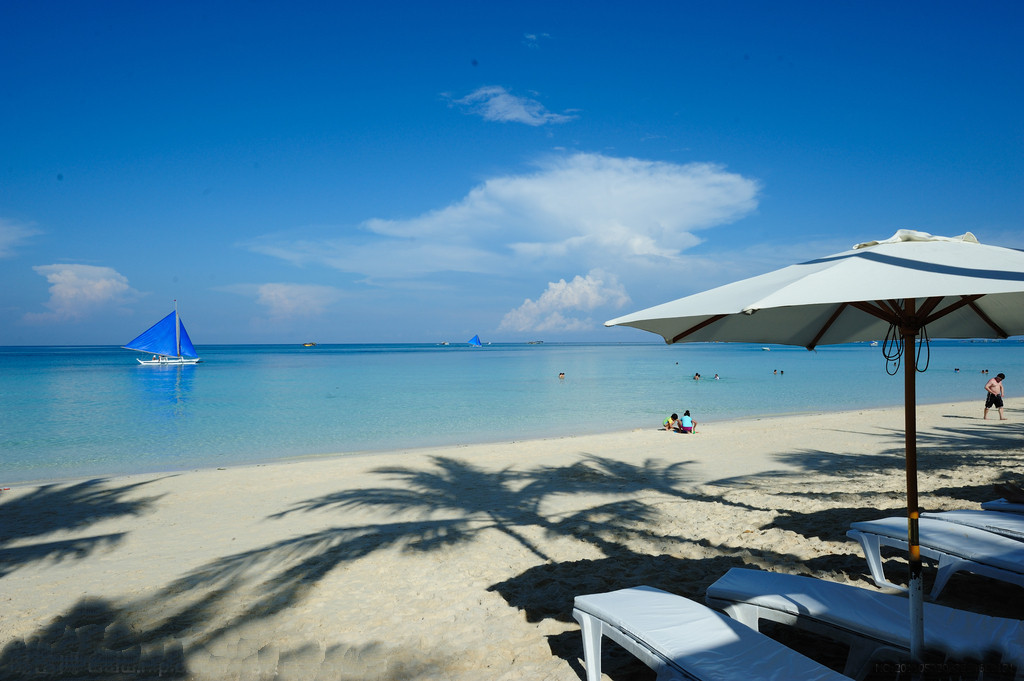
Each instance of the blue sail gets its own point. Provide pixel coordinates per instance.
(186, 349)
(475, 341)
(163, 339)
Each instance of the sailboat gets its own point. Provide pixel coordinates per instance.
(167, 341)
(475, 342)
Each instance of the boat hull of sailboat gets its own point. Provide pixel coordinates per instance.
(168, 361)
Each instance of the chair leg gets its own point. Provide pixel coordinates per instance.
(592, 630)
(947, 566)
(744, 613)
(872, 547)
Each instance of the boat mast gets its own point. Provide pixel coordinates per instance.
(177, 329)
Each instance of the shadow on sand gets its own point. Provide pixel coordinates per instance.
(56, 508)
(201, 614)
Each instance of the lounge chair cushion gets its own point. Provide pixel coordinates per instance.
(955, 539)
(1004, 506)
(956, 547)
(688, 639)
(865, 614)
(1007, 524)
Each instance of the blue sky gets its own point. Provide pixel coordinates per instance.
(424, 172)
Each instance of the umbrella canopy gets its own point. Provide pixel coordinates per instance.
(909, 286)
(972, 291)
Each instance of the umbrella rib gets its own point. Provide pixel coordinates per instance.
(826, 326)
(696, 328)
(926, 313)
(952, 307)
(895, 306)
(930, 304)
(878, 309)
(969, 301)
(985, 318)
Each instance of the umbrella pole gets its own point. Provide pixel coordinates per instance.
(916, 595)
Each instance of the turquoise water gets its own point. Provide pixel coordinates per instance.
(85, 411)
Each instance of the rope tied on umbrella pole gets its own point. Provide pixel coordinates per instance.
(892, 346)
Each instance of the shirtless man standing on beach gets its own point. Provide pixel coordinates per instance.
(994, 388)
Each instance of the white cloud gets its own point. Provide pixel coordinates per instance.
(78, 290)
(575, 213)
(532, 40)
(622, 205)
(288, 301)
(495, 103)
(11, 235)
(561, 298)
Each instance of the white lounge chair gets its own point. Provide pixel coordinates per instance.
(872, 624)
(957, 548)
(1004, 506)
(1007, 524)
(682, 639)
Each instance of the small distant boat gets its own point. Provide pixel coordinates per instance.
(874, 344)
(167, 341)
(534, 342)
(766, 348)
(309, 345)
(475, 342)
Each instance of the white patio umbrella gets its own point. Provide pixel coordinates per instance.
(911, 286)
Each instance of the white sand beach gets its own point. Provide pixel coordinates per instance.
(461, 562)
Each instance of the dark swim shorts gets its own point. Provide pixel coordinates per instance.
(993, 401)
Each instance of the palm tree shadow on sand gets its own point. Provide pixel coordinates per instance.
(206, 608)
(26, 519)
(540, 591)
(200, 609)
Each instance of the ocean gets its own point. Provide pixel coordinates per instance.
(71, 412)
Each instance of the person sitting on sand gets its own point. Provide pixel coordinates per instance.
(687, 424)
(672, 423)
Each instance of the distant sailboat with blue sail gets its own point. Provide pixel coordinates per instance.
(475, 342)
(167, 341)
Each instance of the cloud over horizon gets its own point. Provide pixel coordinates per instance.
(285, 301)
(288, 301)
(556, 308)
(626, 221)
(572, 213)
(76, 291)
